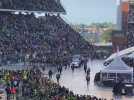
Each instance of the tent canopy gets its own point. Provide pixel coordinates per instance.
(131, 55)
(121, 53)
(117, 66)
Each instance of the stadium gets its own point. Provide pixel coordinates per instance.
(26, 37)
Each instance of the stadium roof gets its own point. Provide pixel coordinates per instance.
(32, 5)
(30, 11)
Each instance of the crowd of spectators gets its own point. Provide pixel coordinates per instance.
(131, 14)
(53, 91)
(130, 39)
(130, 30)
(32, 5)
(130, 35)
(37, 39)
(32, 85)
(25, 37)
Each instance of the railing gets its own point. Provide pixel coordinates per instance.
(17, 66)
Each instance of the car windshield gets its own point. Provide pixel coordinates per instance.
(76, 56)
(76, 60)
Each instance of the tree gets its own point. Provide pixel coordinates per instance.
(106, 36)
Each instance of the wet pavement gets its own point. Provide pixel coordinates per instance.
(77, 82)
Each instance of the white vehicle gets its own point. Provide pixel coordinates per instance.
(76, 63)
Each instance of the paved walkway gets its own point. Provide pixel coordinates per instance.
(77, 82)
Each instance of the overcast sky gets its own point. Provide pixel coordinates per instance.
(89, 11)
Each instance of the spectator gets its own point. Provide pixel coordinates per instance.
(88, 79)
(50, 73)
(58, 77)
(85, 67)
(88, 71)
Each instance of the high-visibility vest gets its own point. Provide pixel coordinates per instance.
(7, 78)
(25, 75)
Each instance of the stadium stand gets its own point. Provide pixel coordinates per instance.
(24, 36)
(130, 32)
(32, 5)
